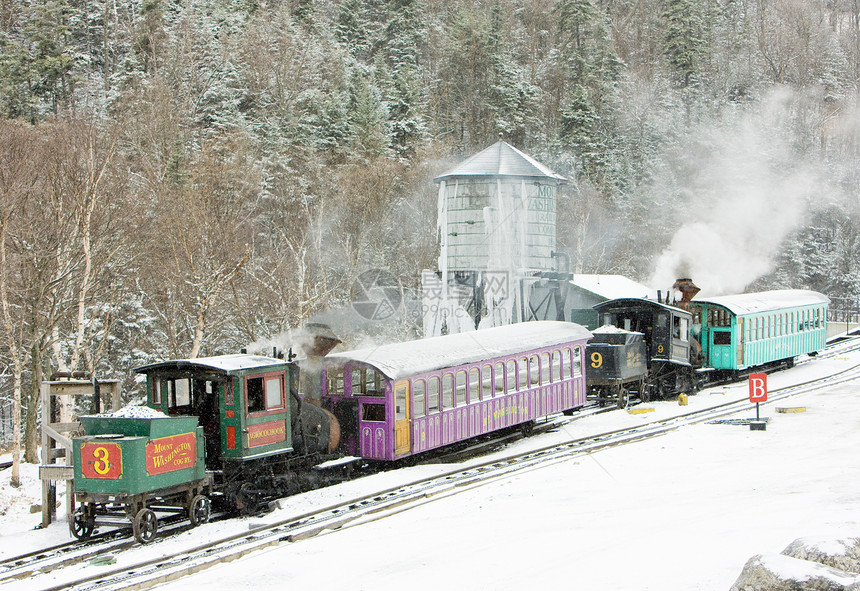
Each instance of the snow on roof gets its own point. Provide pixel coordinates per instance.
(134, 412)
(639, 303)
(223, 363)
(612, 287)
(399, 360)
(501, 159)
(609, 329)
(765, 301)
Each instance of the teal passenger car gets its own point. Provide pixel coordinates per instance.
(756, 329)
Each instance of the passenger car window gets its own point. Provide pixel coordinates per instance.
(335, 381)
(556, 366)
(367, 382)
(461, 388)
(544, 368)
(500, 378)
(722, 338)
(523, 369)
(447, 391)
(534, 369)
(419, 399)
(433, 395)
(373, 412)
(511, 385)
(567, 365)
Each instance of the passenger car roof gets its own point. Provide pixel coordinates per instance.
(400, 360)
(766, 301)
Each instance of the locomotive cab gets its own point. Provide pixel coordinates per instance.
(666, 329)
(239, 400)
(667, 340)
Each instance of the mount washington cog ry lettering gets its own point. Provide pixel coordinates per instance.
(171, 453)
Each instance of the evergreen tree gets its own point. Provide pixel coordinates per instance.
(402, 45)
(683, 39)
(368, 119)
(580, 133)
(37, 60)
(353, 30)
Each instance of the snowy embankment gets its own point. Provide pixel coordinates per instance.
(684, 511)
(825, 563)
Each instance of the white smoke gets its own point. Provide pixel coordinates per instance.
(748, 190)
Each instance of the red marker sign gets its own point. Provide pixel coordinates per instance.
(758, 387)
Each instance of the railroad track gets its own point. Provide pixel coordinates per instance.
(74, 552)
(147, 573)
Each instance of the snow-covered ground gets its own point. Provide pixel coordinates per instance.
(683, 511)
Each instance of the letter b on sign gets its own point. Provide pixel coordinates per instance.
(758, 387)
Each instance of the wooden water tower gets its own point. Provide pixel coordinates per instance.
(497, 233)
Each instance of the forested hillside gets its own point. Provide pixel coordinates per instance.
(186, 177)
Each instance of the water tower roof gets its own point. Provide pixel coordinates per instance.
(502, 159)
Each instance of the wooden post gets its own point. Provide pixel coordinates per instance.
(57, 441)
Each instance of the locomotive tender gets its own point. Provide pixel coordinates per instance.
(617, 367)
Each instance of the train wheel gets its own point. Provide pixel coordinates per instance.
(247, 500)
(623, 397)
(145, 526)
(200, 510)
(83, 523)
(644, 392)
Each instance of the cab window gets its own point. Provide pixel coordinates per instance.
(156, 391)
(264, 393)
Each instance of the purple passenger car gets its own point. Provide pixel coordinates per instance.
(406, 398)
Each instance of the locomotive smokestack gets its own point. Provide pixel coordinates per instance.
(320, 340)
(688, 290)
